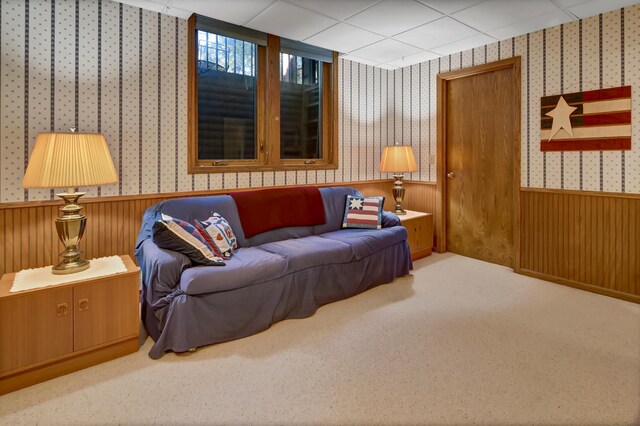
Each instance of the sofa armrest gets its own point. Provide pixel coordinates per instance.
(390, 219)
(160, 269)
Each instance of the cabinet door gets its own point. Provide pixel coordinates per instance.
(424, 233)
(105, 310)
(35, 327)
(412, 230)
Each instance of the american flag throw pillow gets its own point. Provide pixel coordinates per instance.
(363, 212)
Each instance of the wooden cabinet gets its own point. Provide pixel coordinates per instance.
(51, 331)
(35, 328)
(420, 228)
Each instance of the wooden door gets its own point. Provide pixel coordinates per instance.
(35, 327)
(105, 310)
(481, 126)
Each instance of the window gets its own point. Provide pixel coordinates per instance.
(258, 102)
(300, 118)
(226, 98)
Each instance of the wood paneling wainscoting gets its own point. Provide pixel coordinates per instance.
(588, 240)
(29, 238)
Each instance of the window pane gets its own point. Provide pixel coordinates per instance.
(300, 107)
(226, 98)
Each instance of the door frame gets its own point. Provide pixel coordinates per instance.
(443, 80)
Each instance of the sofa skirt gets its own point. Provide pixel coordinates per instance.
(189, 321)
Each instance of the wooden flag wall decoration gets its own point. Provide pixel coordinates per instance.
(596, 120)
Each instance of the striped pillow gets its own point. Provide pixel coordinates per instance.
(218, 233)
(363, 212)
(177, 235)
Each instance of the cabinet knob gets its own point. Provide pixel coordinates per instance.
(62, 309)
(83, 305)
(451, 175)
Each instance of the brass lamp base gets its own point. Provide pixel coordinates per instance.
(398, 194)
(70, 226)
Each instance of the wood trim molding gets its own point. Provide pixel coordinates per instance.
(420, 182)
(192, 94)
(479, 69)
(578, 192)
(335, 114)
(441, 149)
(582, 286)
(440, 223)
(273, 100)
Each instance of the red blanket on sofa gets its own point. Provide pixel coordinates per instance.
(266, 209)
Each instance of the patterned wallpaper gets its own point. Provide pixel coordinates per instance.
(120, 70)
(598, 52)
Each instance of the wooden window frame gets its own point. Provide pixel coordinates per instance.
(267, 115)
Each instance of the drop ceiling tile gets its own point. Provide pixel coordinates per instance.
(494, 14)
(394, 16)
(466, 44)
(449, 6)
(413, 59)
(595, 7)
(336, 9)
(530, 25)
(290, 21)
(385, 51)
(358, 59)
(235, 11)
(436, 33)
(343, 38)
(174, 11)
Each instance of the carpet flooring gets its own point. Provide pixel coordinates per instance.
(460, 341)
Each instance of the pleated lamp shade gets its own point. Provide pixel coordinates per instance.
(398, 158)
(65, 160)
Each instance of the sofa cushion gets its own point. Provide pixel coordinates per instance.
(363, 212)
(280, 234)
(248, 266)
(175, 234)
(365, 242)
(311, 251)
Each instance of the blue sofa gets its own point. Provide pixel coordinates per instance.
(279, 274)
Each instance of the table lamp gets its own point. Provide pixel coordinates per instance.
(398, 159)
(69, 160)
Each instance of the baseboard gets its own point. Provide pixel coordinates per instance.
(582, 286)
(419, 254)
(68, 365)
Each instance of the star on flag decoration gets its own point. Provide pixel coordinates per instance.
(585, 121)
(561, 120)
(356, 203)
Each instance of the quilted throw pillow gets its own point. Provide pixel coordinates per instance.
(177, 235)
(363, 212)
(218, 233)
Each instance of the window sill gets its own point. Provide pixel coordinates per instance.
(236, 168)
